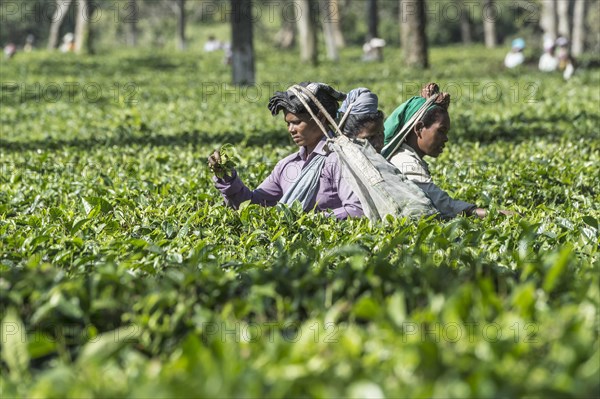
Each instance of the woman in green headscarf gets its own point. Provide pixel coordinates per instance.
(417, 128)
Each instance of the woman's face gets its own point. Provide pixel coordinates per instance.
(431, 140)
(373, 132)
(304, 130)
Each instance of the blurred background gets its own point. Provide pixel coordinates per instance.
(318, 29)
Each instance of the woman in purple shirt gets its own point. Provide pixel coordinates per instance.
(312, 176)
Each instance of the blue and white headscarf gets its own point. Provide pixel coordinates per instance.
(363, 101)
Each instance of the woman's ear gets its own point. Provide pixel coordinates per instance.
(323, 118)
(418, 128)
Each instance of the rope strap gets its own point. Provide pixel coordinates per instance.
(346, 114)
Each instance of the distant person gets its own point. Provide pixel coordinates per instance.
(228, 53)
(569, 68)
(566, 63)
(212, 44)
(68, 44)
(28, 48)
(515, 56)
(548, 60)
(361, 118)
(10, 50)
(562, 52)
(373, 50)
(428, 127)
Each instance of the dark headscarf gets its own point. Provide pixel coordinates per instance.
(288, 101)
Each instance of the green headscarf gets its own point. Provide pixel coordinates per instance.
(401, 115)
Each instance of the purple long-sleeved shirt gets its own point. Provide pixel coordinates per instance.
(334, 194)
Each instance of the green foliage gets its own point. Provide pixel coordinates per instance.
(122, 274)
(228, 160)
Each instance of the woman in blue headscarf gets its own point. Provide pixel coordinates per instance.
(360, 117)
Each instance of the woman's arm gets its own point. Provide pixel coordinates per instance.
(450, 208)
(446, 205)
(235, 192)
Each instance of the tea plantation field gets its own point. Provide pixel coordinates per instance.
(122, 274)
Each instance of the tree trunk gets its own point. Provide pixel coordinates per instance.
(489, 14)
(412, 32)
(373, 16)
(548, 19)
(132, 19)
(328, 31)
(62, 6)
(578, 28)
(562, 8)
(82, 27)
(334, 9)
(286, 37)
(465, 24)
(181, 25)
(242, 45)
(306, 32)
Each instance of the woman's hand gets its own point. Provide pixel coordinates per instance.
(509, 213)
(219, 165)
(214, 159)
(482, 213)
(479, 212)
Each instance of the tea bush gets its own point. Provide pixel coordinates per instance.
(124, 275)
